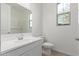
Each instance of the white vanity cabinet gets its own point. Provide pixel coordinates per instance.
(31, 49)
(78, 47)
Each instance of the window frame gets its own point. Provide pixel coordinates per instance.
(69, 12)
(29, 24)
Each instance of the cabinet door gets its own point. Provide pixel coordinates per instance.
(3, 54)
(78, 47)
(36, 51)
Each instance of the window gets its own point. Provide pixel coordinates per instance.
(30, 20)
(63, 13)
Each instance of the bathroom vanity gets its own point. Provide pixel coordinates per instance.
(25, 47)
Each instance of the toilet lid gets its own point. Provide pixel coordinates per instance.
(48, 45)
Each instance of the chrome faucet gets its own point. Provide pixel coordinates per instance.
(20, 37)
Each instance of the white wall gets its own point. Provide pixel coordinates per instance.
(78, 20)
(37, 19)
(63, 37)
(0, 27)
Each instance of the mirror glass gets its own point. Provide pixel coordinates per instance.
(15, 19)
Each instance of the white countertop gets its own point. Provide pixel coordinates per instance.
(13, 44)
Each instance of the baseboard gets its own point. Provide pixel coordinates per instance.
(62, 52)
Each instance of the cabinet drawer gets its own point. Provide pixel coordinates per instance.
(78, 47)
(2, 54)
(21, 50)
(36, 51)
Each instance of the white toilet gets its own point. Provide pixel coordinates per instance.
(47, 48)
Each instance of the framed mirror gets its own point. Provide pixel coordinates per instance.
(15, 19)
(63, 14)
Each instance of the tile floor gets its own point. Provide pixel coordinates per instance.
(55, 53)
